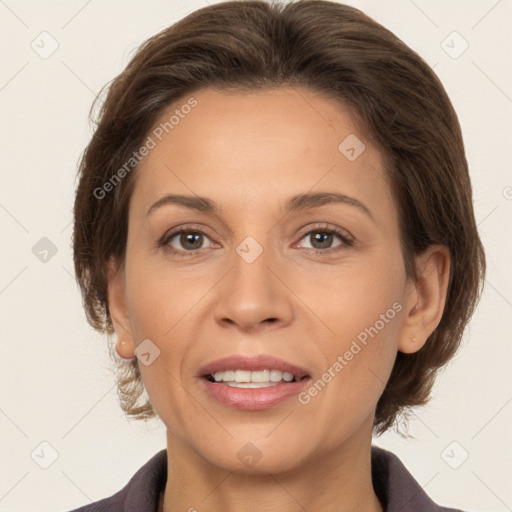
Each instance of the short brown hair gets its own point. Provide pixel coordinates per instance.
(329, 48)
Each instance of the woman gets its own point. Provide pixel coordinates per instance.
(274, 217)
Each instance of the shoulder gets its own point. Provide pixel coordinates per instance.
(140, 494)
(396, 487)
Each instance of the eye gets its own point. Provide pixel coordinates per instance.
(184, 240)
(322, 238)
(188, 239)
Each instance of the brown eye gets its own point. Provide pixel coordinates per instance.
(191, 240)
(322, 240)
(185, 241)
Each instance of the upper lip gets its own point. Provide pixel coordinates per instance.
(253, 363)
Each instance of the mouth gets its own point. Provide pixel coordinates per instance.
(256, 379)
(252, 382)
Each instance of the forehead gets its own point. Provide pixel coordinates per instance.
(249, 149)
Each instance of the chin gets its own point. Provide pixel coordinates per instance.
(254, 455)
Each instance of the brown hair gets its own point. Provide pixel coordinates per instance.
(329, 48)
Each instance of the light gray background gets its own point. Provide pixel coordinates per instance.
(55, 382)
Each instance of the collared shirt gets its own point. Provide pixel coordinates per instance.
(395, 487)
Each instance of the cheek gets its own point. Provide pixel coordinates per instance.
(159, 307)
(359, 311)
(160, 298)
(164, 305)
(358, 363)
(353, 298)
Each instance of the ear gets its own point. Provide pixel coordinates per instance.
(425, 299)
(118, 311)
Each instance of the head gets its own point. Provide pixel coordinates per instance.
(251, 109)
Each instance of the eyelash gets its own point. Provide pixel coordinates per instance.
(347, 241)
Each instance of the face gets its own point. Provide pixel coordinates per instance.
(279, 284)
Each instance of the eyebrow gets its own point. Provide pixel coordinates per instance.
(295, 203)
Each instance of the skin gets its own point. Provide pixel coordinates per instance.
(249, 152)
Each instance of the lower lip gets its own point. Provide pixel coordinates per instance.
(254, 399)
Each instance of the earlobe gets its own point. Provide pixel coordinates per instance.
(118, 311)
(124, 348)
(124, 343)
(424, 303)
(411, 345)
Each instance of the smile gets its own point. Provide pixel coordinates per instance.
(252, 379)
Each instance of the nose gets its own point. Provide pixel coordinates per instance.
(252, 296)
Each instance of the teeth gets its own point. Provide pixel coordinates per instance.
(230, 375)
(276, 375)
(260, 377)
(251, 384)
(242, 376)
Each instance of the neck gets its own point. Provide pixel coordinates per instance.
(339, 479)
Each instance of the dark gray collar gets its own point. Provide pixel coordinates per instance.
(396, 488)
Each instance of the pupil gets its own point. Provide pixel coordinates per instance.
(324, 239)
(191, 239)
